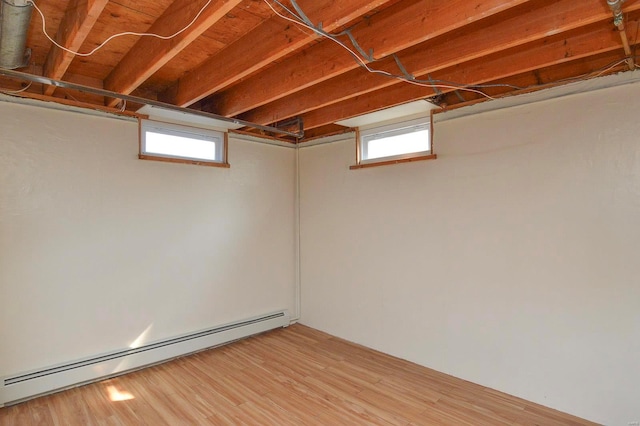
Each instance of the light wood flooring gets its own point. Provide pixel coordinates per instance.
(292, 376)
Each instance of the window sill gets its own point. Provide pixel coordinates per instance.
(397, 161)
(184, 161)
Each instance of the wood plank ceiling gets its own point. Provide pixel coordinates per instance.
(239, 58)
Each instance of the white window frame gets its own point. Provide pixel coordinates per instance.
(405, 127)
(208, 135)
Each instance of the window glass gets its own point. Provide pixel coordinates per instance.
(401, 140)
(168, 141)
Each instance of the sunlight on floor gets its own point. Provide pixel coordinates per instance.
(116, 395)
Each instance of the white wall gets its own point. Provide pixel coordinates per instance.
(511, 261)
(97, 246)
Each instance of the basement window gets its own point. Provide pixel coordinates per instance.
(394, 143)
(182, 144)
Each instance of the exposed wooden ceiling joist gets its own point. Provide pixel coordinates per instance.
(76, 24)
(538, 54)
(543, 77)
(390, 31)
(240, 59)
(426, 58)
(270, 42)
(149, 54)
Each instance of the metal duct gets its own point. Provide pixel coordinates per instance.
(138, 100)
(14, 23)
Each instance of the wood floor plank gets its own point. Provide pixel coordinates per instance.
(242, 356)
(337, 382)
(302, 405)
(232, 390)
(352, 401)
(220, 410)
(292, 376)
(343, 406)
(352, 370)
(16, 415)
(264, 411)
(256, 378)
(475, 414)
(40, 416)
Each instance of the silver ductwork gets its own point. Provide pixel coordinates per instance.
(14, 24)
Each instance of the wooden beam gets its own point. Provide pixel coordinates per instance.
(149, 54)
(74, 103)
(539, 54)
(76, 23)
(548, 77)
(328, 130)
(553, 18)
(395, 28)
(387, 32)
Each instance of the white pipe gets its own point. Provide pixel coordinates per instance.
(15, 16)
(298, 277)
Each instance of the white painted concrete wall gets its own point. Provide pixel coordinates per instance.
(97, 246)
(512, 261)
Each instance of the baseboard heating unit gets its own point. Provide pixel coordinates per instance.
(22, 386)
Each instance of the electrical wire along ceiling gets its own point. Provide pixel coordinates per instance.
(293, 69)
